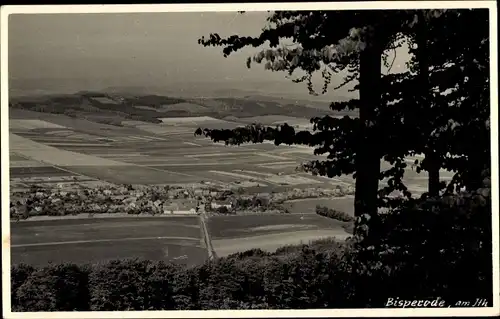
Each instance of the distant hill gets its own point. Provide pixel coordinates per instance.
(115, 106)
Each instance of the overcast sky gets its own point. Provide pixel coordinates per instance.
(139, 49)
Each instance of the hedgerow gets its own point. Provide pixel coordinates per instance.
(333, 214)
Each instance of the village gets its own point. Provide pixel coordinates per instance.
(156, 200)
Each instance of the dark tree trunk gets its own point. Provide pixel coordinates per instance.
(432, 158)
(367, 155)
(474, 174)
(433, 170)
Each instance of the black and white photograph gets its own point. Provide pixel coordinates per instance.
(250, 160)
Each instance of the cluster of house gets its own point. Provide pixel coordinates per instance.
(203, 197)
(175, 208)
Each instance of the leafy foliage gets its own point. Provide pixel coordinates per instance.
(133, 285)
(408, 121)
(62, 287)
(330, 41)
(456, 86)
(419, 240)
(334, 214)
(18, 276)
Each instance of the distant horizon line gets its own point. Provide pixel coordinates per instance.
(168, 90)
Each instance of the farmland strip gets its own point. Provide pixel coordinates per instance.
(99, 241)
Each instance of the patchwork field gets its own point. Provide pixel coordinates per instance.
(231, 234)
(230, 227)
(146, 153)
(55, 149)
(175, 239)
(164, 153)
